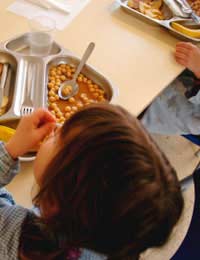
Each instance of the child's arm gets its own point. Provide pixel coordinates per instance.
(188, 55)
(30, 132)
(8, 166)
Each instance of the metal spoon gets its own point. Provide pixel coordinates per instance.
(186, 8)
(72, 82)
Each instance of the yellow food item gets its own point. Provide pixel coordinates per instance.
(133, 4)
(143, 7)
(156, 4)
(151, 9)
(4, 101)
(67, 90)
(150, 13)
(195, 33)
(1, 68)
(130, 4)
(6, 133)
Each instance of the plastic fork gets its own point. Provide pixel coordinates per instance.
(27, 106)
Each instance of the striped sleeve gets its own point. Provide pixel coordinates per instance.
(8, 167)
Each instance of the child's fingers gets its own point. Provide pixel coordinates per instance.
(181, 61)
(186, 45)
(181, 55)
(41, 116)
(44, 115)
(45, 130)
(47, 116)
(182, 50)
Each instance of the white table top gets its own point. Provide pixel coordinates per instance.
(135, 56)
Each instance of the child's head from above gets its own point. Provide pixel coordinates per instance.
(104, 184)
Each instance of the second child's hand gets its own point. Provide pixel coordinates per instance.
(188, 55)
(30, 132)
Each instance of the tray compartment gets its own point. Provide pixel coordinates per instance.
(167, 13)
(164, 23)
(21, 45)
(9, 89)
(90, 79)
(37, 86)
(87, 70)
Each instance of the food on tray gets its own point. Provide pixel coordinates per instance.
(3, 79)
(195, 33)
(151, 8)
(133, 4)
(88, 93)
(67, 90)
(1, 68)
(195, 6)
(4, 102)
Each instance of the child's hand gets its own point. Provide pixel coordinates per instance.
(30, 132)
(188, 55)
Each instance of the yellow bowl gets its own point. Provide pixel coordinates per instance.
(6, 133)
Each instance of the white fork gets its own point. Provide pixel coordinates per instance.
(27, 105)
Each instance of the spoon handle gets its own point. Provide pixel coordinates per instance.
(85, 57)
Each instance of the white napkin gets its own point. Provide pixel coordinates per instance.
(29, 10)
(52, 4)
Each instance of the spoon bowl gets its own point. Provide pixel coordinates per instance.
(67, 85)
(70, 87)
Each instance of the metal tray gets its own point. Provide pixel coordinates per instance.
(164, 23)
(87, 70)
(15, 52)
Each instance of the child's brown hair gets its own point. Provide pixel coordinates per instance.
(115, 191)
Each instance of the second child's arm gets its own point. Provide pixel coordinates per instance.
(188, 55)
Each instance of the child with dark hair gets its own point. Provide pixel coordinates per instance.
(105, 189)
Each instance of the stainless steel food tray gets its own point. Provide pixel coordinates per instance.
(15, 52)
(163, 23)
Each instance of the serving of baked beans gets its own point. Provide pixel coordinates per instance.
(88, 93)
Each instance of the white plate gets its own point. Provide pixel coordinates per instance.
(27, 158)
